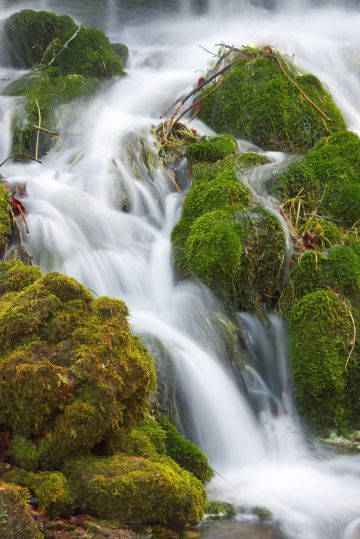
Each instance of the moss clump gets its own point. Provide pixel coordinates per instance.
(321, 332)
(89, 54)
(217, 509)
(50, 488)
(47, 92)
(136, 490)
(5, 224)
(328, 178)
(69, 369)
(15, 276)
(121, 51)
(186, 454)
(28, 34)
(258, 103)
(147, 439)
(232, 163)
(25, 453)
(16, 519)
(211, 149)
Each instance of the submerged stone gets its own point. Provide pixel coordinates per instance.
(258, 102)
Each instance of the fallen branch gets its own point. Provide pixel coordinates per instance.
(43, 130)
(20, 154)
(38, 132)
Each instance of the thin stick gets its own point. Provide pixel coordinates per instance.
(200, 87)
(20, 154)
(43, 130)
(38, 132)
(354, 339)
(60, 51)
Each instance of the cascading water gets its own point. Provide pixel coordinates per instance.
(78, 204)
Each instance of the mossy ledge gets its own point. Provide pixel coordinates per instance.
(257, 102)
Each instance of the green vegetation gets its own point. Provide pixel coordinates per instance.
(89, 54)
(257, 102)
(184, 453)
(321, 332)
(69, 370)
(232, 163)
(28, 34)
(136, 490)
(16, 519)
(50, 488)
(15, 276)
(5, 223)
(211, 149)
(217, 509)
(328, 179)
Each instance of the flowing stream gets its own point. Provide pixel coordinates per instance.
(96, 212)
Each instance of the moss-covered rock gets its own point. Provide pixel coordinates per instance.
(186, 454)
(15, 276)
(321, 331)
(232, 163)
(28, 34)
(16, 519)
(51, 490)
(211, 149)
(44, 92)
(328, 178)
(121, 51)
(89, 54)
(69, 370)
(5, 223)
(136, 490)
(216, 509)
(257, 102)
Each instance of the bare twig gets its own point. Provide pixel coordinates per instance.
(38, 132)
(20, 154)
(60, 51)
(43, 130)
(353, 341)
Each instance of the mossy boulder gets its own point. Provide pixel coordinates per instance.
(136, 490)
(184, 453)
(211, 149)
(257, 102)
(89, 54)
(215, 509)
(5, 223)
(43, 94)
(15, 276)
(321, 331)
(232, 163)
(51, 490)
(151, 438)
(16, 519)
(223, 238)
(121, 51)
(28, 34)
(328, 179)
(70, 370)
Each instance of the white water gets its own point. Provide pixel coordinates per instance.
(77, 228)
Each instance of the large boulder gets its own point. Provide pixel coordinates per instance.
(258, 102)
(70, 370)
(136, 490)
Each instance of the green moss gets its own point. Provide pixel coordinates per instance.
(328, 178)
(15, 276)
(24, 453)
(186, 454)
(51, 490)
(27, 35)
(70, 370)
(257, 102)
(147, 439)
(5, 225)
(211, 149)
(49, 92)
(89, 54)
(218, 509)
(136, 490)
(321, 331)
(232, 163)
(213, 252)
(16, 519)
(121, 51)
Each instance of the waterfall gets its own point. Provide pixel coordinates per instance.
(78, 204)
